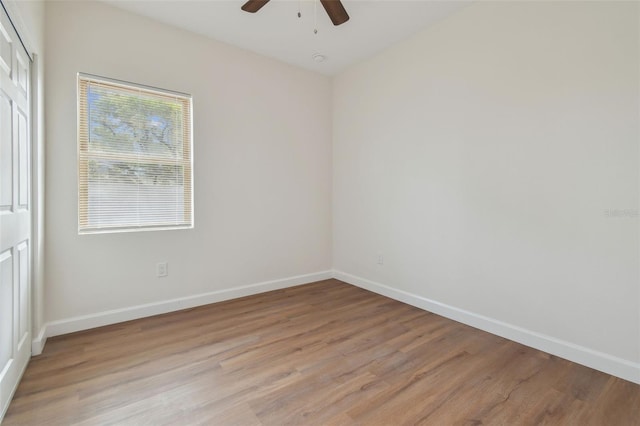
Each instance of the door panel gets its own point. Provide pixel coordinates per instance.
(15, 215)
(6, 307)
(6, 154)
(22, 295)
(23, 162)
(6, 47)
(22, 71)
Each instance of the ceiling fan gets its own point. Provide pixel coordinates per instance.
(334, 9)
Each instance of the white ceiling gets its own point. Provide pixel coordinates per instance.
(276, 30)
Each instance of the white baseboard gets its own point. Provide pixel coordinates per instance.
(609, 364)
(37, 344)
(85, 322)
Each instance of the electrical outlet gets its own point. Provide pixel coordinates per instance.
(380, 259)
(162, 269)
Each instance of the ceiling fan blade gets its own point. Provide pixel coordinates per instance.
(336, 11)
(252, 6)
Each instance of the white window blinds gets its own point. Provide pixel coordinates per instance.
(134, 157)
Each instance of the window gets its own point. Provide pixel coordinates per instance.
(134, 157)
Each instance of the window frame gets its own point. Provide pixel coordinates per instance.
(84, 155)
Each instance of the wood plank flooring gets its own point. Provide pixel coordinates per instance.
(326, 353)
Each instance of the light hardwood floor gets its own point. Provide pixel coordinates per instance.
(325, 353)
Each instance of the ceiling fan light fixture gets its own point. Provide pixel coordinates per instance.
(319, 57)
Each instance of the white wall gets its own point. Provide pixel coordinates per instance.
(480, 156)
(262, 152)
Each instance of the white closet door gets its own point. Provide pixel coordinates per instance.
(15, 214)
